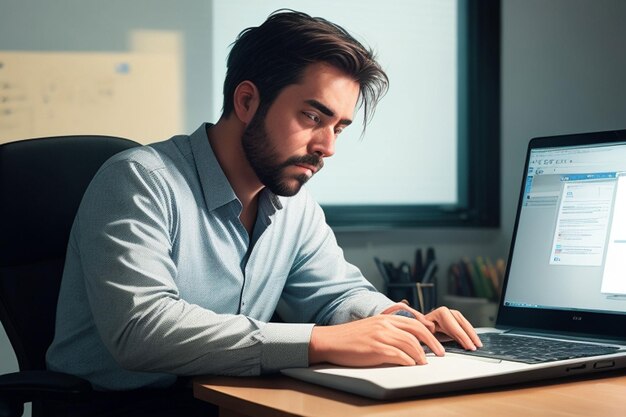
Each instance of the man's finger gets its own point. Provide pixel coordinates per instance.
(421, 333)
(467, 327)
(453, 324)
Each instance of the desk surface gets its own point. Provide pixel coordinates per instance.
(279, 396)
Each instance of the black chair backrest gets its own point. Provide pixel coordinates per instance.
(42, 182)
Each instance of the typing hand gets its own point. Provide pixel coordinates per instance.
(442, 320)
(453, 324)
(382, 339)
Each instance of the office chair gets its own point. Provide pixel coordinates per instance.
(42, 182)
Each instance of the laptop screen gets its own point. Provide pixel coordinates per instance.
(568, 257)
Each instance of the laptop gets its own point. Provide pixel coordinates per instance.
(565, 283)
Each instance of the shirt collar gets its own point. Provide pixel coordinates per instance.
(215, 186)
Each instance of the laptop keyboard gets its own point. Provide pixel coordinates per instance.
(529, 349)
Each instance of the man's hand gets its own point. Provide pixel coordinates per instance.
(453, 324)
(389, 339)
(446, 321)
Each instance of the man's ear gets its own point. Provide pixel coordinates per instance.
(246, 101)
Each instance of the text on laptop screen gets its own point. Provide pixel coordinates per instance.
(570, 247)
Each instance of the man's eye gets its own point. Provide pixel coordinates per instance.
(312, 116)
(338, 130)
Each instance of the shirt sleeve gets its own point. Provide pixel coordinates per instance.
(125, 230)
(322, 286)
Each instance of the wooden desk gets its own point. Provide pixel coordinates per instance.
(280, 396)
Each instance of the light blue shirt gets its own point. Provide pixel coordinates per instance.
(162, 279)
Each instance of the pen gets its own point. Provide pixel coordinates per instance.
(382, 270)
(429, 274)
(404, 272)
(418, 271)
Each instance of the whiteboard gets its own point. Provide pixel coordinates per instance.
(136, 95)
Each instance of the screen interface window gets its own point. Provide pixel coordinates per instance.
(570, 248)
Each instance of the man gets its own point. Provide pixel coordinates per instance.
(182, 251)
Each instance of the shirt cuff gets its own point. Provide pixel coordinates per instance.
(285, 345)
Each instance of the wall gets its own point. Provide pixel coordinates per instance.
(563, 67)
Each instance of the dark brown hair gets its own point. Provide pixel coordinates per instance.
(275, 55)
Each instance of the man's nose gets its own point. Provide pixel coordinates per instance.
(324, 142)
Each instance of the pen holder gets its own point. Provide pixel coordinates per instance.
(415, 284)
(421, 296)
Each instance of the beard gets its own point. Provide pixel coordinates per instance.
(264, 159)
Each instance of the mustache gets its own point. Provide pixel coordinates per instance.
(314, 160)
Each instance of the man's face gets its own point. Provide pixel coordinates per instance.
(285, 144)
